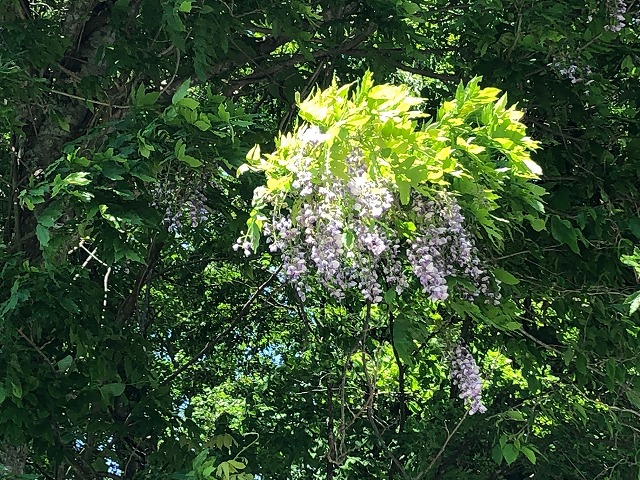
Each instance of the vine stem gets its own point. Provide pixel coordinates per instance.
(444, 445)
(372, 393)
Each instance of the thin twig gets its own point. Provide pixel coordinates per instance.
(36, 348)
(212, 343)
(444, 445)
(96, 102)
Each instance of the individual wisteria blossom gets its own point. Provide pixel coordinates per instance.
(465, 374)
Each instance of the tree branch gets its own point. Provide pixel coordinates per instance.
(36, 348)
(234, 322)
(128, 307)
(281, 64)
(95, 102)
(408, 68)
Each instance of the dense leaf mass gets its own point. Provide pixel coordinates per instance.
(136, 344)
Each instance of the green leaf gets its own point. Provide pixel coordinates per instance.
(530, 454)
(181, 92)
(538, 224)
(202, 125)
(510, 453)
(137, 94)
(633, 396)
(113, 171)
(567, 356)
(3, 394)
(77, 178)
(496, 454)
(581, 411)
(208, 471)
(189, 103)
(185, 6)
(515, 415)
(237, 465)
(633, 301)
(29, 203)
(563, 231)
(113, 389)
(390, 296)
(410, 7)
(149, 99)
(505, 277)
(223, 470)
(191, 161)
(200, 458)
(404, 188)
(43, 235)
(16, 390)
(222, 113)
(632, 260)
(63, 123)
(403, 335)
(50, 214)
(179, 150)
(65, 363)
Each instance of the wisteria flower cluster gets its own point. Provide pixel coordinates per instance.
(361, 198)
(335, 233)
(339, 236)
(443, 247)
(618, 10)
(465, 374)
(575, 73)
(181, 204)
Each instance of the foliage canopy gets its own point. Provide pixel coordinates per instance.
(134, 343)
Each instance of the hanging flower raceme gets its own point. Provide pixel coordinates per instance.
(358, 200)
(334, 234)
(465, 374)
(186, 203)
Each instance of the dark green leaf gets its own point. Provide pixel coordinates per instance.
(510, 453)
(564, 233)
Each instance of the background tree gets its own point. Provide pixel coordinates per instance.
(136, 344)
